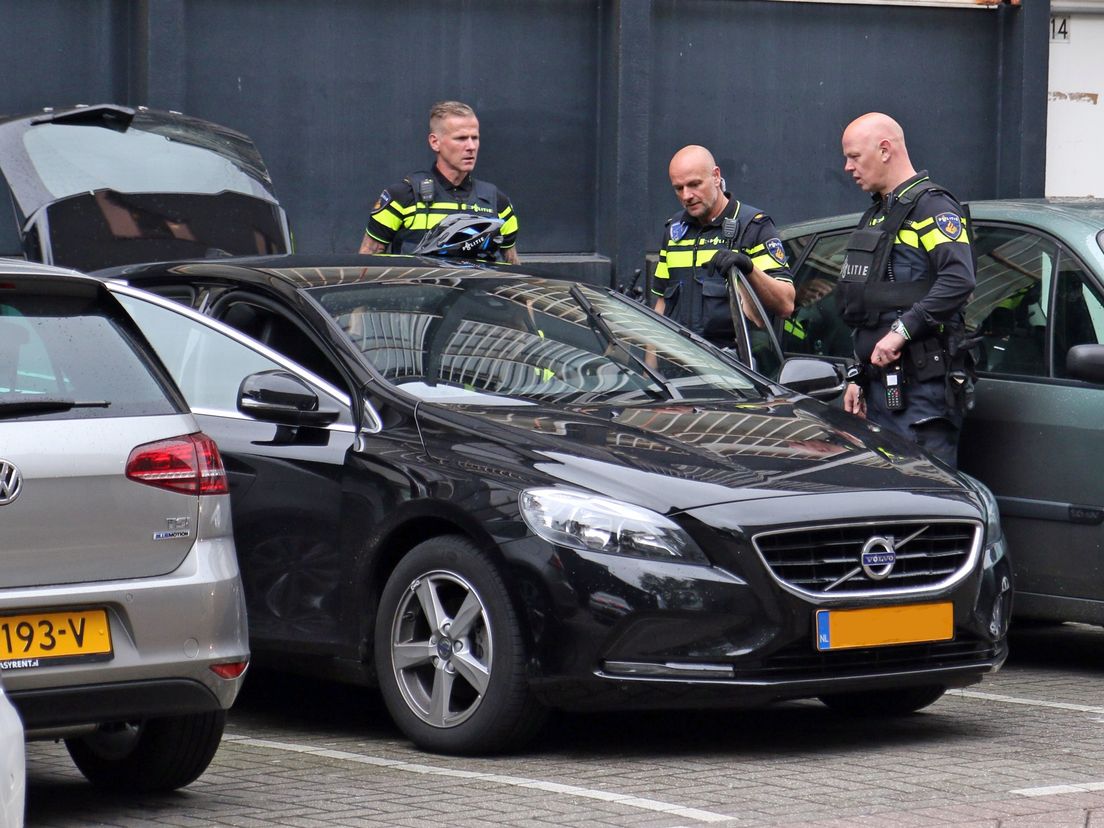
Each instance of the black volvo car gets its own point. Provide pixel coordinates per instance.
(492, 493)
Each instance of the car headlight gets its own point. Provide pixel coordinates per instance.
(600, 524)
(993, 532)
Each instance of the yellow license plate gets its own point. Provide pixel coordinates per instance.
(75, 635)
(882, 626)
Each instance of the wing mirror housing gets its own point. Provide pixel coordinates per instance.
(815, 377)
(281, 397)
(1086, 363)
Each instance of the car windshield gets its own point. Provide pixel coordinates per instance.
(63, 357)
(486, 340)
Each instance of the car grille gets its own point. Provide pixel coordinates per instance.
(801, 661)
(826, 560)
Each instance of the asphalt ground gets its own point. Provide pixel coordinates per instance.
(1024, 748)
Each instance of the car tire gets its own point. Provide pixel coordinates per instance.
(450, 690)
(877, 703)
(149, 756)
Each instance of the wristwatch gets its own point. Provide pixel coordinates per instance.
(898, 327)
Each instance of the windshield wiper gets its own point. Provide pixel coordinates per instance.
(46, 405)
(600, 326)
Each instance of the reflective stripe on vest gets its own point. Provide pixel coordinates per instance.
(421, 216)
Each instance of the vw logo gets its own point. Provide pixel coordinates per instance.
(878, 557)
(11, 482)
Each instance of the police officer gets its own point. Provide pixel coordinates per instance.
(713, 233)
(404, 212)
(907, 276)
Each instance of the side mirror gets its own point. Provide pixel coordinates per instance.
(816, 377)
(1086, 363)
(281, 397)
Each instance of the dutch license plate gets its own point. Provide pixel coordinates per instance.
(26, 640)
(882, 626)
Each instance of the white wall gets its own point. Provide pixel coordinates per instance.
(1075, 108)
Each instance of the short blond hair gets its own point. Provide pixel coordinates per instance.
(448, 109)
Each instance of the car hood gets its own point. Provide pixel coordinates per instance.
(673, 457)
(138, 184)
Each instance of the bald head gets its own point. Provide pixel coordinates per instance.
(875, 154)
(697, 182)
(690, 158)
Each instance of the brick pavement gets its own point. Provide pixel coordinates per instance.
(303, 753)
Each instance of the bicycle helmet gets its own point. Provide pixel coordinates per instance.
(462, 235)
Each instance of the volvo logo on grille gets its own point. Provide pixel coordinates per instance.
(11, 482)
(878, 557)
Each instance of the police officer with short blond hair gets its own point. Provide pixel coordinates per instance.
(905, 281)
(713, 233)
(404, 212)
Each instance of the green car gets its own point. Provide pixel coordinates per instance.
(1036, 431)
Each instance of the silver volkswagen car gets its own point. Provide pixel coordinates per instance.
(122, 621)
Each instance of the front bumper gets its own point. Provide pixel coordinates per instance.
(616, 632)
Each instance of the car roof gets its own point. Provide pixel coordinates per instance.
(1048, 213)
(304, 271)
(21, 267)
(1044, 212)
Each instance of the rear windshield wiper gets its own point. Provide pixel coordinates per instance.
(602, 327)
(45, 405)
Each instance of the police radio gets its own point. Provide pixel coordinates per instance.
(728, 229)
(894, 385)
(425, 190)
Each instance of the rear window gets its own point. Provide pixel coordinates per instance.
(62, 357)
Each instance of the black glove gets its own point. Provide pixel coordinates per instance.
(724, 259)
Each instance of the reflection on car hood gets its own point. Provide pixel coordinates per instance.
(672, 457)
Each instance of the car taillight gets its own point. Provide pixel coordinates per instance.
(231, 670)
(189, 464)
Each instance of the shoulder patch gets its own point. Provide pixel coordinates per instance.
(758, 216)
(678, 230)
(949, 224)
(777, 251)
(382, 201)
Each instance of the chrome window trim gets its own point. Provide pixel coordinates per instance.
(959, 575)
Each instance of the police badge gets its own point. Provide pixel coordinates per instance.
(382, 201)
(678, 230)
(777, 251)
(949, 224)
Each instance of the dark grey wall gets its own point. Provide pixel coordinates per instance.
(581, 102)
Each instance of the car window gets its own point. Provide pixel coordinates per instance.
(1078, 316)
(207, 364)
(796, 246)
(259, 321)
(524, 339)
(1009, 305)
(816, 327)
(63, 357)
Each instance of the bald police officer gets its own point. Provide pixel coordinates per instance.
(711, 234)
(905, 281)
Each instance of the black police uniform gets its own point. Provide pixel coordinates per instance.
(923, 278)
(694, 297)
(403, 213)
